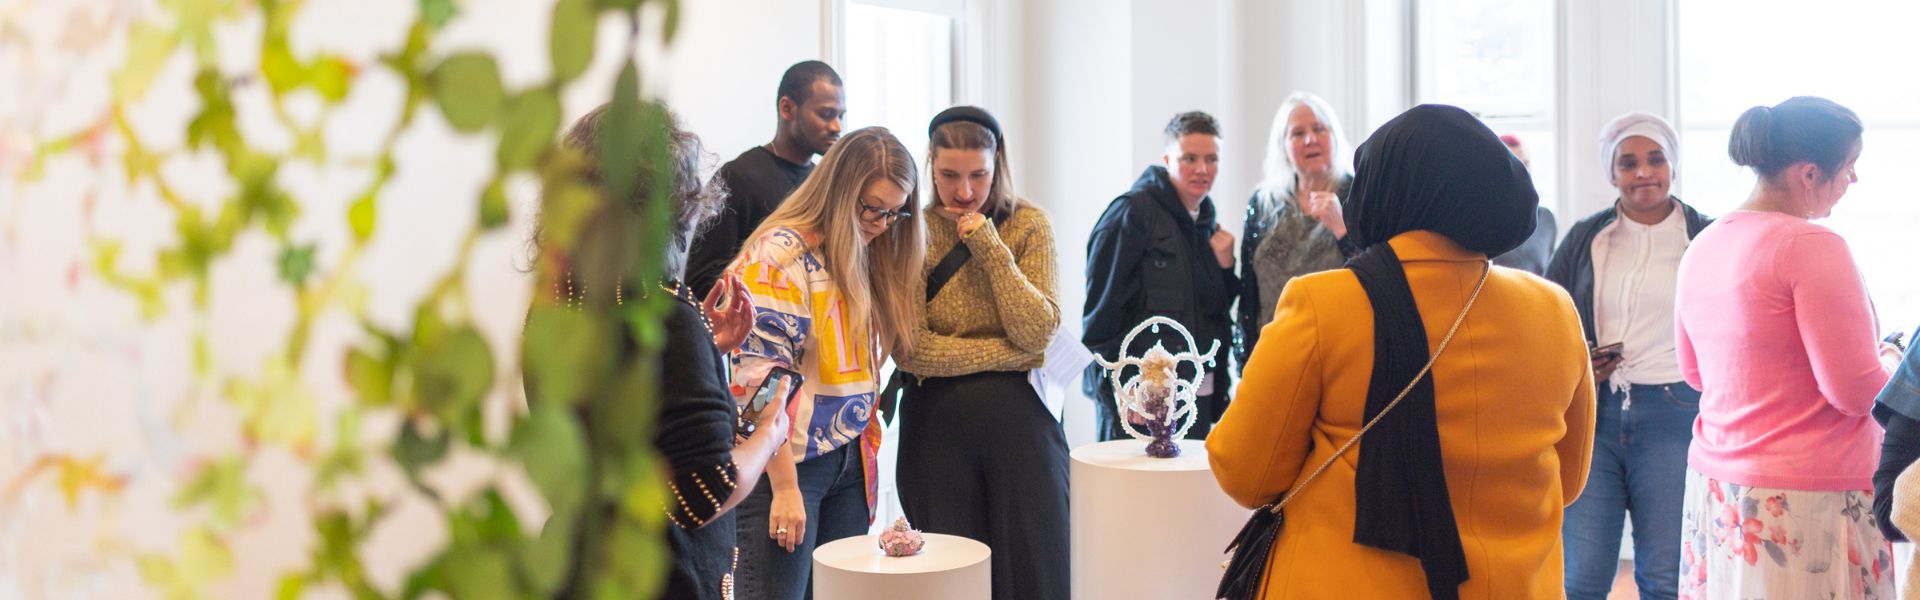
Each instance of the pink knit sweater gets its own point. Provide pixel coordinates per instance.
(1774, 326)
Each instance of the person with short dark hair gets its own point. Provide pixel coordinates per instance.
(810, 105)
(1773, 324)
(1159, 251)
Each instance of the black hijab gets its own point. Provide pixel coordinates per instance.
(1433, 168)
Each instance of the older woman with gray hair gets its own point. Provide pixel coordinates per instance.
(1295, 220)
(1621, 266)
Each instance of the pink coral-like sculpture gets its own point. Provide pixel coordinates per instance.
(901, 540)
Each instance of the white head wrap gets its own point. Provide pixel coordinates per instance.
(1643, 125)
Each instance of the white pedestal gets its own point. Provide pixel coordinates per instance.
(1148, 528)
(948, 568)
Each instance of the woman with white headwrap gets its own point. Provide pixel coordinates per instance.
(1621, 267)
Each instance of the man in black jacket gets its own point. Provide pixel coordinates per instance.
(1158, 251)
(810, 106)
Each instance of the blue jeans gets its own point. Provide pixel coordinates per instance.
(834, 489)
(1640, 441)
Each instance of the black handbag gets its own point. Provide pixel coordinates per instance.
(1246, 566)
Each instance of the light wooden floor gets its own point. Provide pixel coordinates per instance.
(1623, 588)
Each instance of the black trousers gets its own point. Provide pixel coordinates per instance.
(1208, 410)
(982, 458)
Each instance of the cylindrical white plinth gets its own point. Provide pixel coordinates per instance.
(948, 568)
(1148, 528)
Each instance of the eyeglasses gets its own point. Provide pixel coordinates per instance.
(874, 214)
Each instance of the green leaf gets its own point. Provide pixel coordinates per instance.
(620, 141)
(415, 452)
(332, 76)
(545, 560)
(479, 573)
(291, 586)
(431, 576)
(221, 483)
(671, 25)
(493, 206)
(619, 4)
(532, 120)
(283, 73)
(564, 209)
(215, 122)
(485, 520)
(565, 353)
(452, 376)
(296, 262)
(346, 456)
(437, 13)
(575, 23)
(277, 409)
(644, 493)
(467, 87)
(148, 48)
(370, 376)
(360, 215)
(340, 539)
(637, 557)
(550, 444)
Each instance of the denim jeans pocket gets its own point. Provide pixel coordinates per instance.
(1686, 398)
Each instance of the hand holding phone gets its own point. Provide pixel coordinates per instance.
(1605, 359)
(1607, 352)
(773, 395)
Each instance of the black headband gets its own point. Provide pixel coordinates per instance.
(970, 114)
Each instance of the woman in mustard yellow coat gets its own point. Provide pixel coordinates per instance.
(1458, 491)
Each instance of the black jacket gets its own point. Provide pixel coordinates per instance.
(1572, 265)
(1149, 257)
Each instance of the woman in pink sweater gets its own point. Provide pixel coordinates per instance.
(1773, 323)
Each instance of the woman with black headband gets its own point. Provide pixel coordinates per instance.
(1458, 489)
(980, 455)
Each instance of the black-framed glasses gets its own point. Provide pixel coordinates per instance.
(874, 214)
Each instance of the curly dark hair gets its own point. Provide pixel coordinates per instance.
(695, 202)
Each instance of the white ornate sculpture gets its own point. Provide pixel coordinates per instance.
(1157, 395)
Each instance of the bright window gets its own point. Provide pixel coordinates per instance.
(1736, 55)
(1494, 58)
(900, 65)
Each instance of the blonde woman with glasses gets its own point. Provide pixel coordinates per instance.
(830, 276)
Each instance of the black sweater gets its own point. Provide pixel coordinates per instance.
(694, 433)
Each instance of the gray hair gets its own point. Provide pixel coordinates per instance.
(1277, 171)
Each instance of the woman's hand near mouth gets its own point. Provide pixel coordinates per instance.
(965, 220)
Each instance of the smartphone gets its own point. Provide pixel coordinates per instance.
(1610, 351)
(1897, 339)
(781, 384)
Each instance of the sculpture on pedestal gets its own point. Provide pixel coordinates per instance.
(901, 539)
(1157, 396)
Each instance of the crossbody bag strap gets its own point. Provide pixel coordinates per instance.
(950, 264)
(1277, 505)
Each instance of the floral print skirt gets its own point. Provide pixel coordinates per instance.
(1740, 542)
